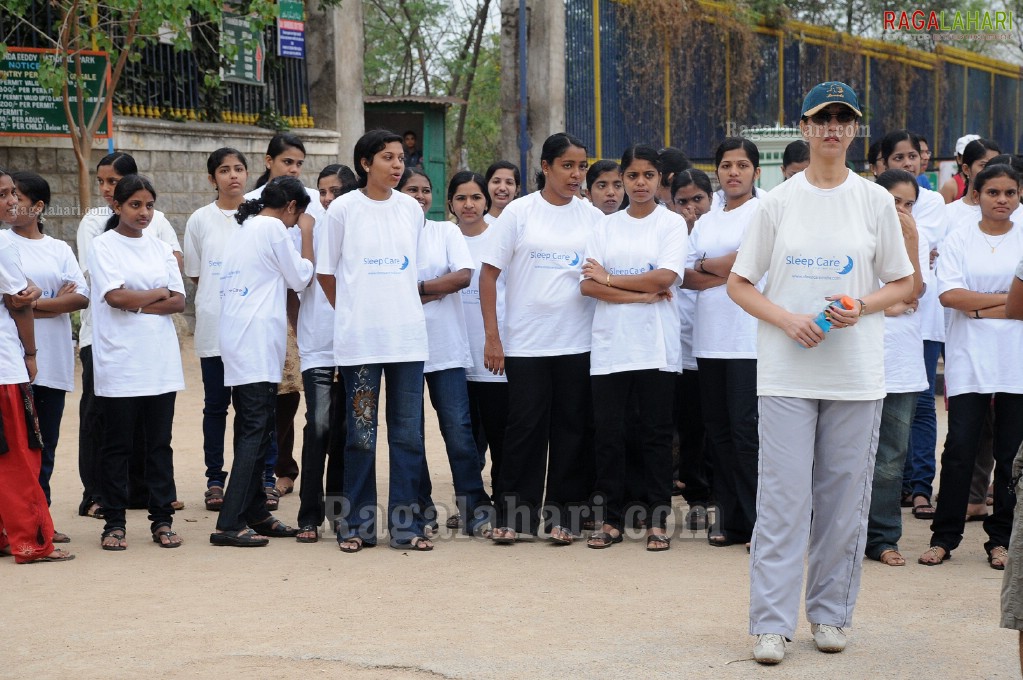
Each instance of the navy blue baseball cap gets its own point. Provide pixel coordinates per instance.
(831, 92)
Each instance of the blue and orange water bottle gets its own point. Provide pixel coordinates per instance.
(823, 319)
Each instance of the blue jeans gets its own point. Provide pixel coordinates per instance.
(321, 428)
(214, 418)
(50, 410)
(405, 443)
(918, 476)
(450, 398)
(884, 523)
(244, 498)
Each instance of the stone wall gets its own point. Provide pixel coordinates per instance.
(172, 154)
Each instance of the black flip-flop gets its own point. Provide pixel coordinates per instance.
(605, 538)
(246, 539)
(274, 528)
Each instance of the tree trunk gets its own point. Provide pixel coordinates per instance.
(478, 26)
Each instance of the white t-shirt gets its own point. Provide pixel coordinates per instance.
(904, 344)
(474, 313)
(315, 318)
(540, 247)
(721, 328)
(370, 248)
(91, 226)
(50, 264)
(981, 355)
(931, 215)
(207, 234)
(637, 336)
(258, 268)
(817, 243)
(133, 355)
(12, 281)
(685, 300)
(442, 250)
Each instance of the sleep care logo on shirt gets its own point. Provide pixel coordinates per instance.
(551, 259)
(818, 267)
(228, 289)
(386, 265)
(630, 271)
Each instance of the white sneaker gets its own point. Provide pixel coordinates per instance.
(828, 638)
(770, 648)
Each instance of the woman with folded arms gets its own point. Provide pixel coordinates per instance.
(52, 266)
(975, 272)
(633, 261)
(136, 285)
(26, 528)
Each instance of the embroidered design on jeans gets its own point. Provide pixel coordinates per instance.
(364, 406)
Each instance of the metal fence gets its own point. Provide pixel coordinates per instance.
(942, 94)
(168, 84)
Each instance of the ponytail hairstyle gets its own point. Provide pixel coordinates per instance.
(890, 178)
(127, 186)
(278, 192)
(463, 177)
(368, 146)
(279, 143)
(409, 173)
(692, 176)
(992, 172)
(973, 152)
(35, 189)
(122, 162)
(671, 161)
(554, 146)
(218, 156)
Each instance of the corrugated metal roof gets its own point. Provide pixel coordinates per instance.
(411, 99)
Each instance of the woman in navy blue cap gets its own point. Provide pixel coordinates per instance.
(827, 236)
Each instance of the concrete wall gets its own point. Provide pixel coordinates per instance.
(172, 154)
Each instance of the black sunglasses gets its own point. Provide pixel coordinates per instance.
(845, 116)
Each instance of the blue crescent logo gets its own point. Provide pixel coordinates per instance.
(652, 267)
(245, 292)
(575, 260)
(848, 266)
(404, 264)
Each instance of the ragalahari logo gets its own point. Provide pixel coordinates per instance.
(941, 21)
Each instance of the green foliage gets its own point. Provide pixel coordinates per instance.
(483, 118)
(405, 44)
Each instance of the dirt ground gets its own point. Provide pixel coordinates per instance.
(469, 609)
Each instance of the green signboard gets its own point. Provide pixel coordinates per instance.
(247, 66)
(27, 108)
(291, 10)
